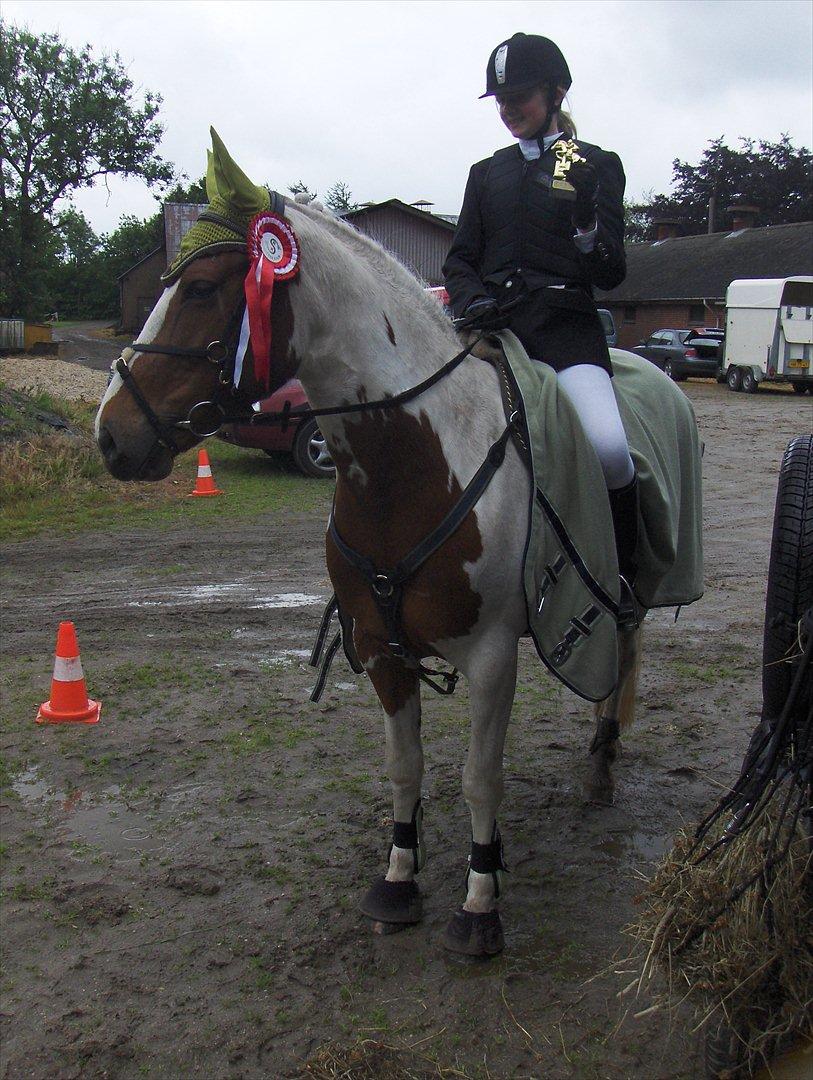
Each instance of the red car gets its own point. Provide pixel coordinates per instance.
(302, 440)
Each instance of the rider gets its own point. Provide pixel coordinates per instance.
(518, 244)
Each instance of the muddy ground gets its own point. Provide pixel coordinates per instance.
(181, 880)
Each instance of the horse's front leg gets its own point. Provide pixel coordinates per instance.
(395, 899)
(475, 929)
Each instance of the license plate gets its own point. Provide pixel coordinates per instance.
(798, 364)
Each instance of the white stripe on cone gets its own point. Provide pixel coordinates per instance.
(68, 669)
(204, 470)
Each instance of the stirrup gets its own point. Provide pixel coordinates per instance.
(627, 606)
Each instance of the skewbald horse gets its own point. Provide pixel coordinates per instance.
(355, 326)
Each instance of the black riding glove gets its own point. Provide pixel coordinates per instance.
(483, 314)
(584, 179)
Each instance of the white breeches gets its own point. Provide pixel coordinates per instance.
(590, 391)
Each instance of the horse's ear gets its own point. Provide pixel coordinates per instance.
(211, 182)
(231, 182)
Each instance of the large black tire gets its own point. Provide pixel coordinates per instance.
(734, 378)
(790, 572)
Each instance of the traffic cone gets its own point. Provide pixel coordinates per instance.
(69, 701)
(205, 484)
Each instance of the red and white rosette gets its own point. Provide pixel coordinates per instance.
(273, 251)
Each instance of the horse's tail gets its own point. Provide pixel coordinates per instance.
(629, 688)
(620, 705)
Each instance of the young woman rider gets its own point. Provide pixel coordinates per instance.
(519, 244)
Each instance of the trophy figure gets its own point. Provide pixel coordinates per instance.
(567, 154)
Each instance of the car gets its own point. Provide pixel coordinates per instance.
(608, 323)
(683, 354)
(302, 439)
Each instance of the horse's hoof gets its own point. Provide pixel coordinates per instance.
(474, 934)
(597, 794)
(393, 902)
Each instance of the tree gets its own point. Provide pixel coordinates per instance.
(67, 118)
(774, 177)
(340, 198)
(192, 193)
(300, 188)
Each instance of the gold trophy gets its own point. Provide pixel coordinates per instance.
(567, 154)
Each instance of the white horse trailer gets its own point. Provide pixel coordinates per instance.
(769, 333)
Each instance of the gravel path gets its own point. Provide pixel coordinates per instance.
(45, 373)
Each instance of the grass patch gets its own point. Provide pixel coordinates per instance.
(55, 480)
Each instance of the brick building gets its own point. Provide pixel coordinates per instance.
(681, 281)
(140, 286)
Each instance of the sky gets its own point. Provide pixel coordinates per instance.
(383, 94)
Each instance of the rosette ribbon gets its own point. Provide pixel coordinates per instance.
(273, 252)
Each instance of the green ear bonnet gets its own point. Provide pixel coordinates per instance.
(233, 201)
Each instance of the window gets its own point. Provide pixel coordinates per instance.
(697, 313)
(629, 313)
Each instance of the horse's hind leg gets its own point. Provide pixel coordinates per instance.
(613, 716)
(395, 899)
(475, 929)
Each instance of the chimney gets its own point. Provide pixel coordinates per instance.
(743, 217)
(667, 228)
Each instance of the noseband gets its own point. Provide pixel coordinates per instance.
(206, 417)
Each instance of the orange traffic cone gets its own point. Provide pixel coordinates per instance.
(205, 484)
(69, 698)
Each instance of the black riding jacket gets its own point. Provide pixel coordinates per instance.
(512, 228)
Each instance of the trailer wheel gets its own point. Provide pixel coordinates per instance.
(790, 572)
(734, 378)
(749, 383)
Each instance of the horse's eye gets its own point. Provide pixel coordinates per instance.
(198, 290)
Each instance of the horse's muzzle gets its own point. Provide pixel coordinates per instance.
(153, 464)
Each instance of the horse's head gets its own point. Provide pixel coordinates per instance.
(193, 363)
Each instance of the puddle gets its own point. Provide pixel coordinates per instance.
(102, 820)
(285, 658)
(632, 845)
(249, 595)
(287, 600)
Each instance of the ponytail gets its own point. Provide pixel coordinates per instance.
(567, 124)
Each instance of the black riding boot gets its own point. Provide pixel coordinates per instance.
(624, 507)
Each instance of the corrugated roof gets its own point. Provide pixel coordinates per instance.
(702, 267)
(423, 215)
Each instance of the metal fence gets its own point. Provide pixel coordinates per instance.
(12, 333)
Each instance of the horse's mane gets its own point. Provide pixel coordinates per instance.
(384, 263)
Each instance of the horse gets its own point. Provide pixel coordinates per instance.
(357, 328)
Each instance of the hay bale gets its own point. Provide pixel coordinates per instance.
(729, 922)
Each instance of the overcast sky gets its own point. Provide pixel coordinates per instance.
(383, 94)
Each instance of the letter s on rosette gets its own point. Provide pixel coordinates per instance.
(273, 251)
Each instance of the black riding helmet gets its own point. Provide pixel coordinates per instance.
(523, 61)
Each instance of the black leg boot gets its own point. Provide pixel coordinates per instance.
(624, 507)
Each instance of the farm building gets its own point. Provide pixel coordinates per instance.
(418, 238)
(681, 281)
(140, 286)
